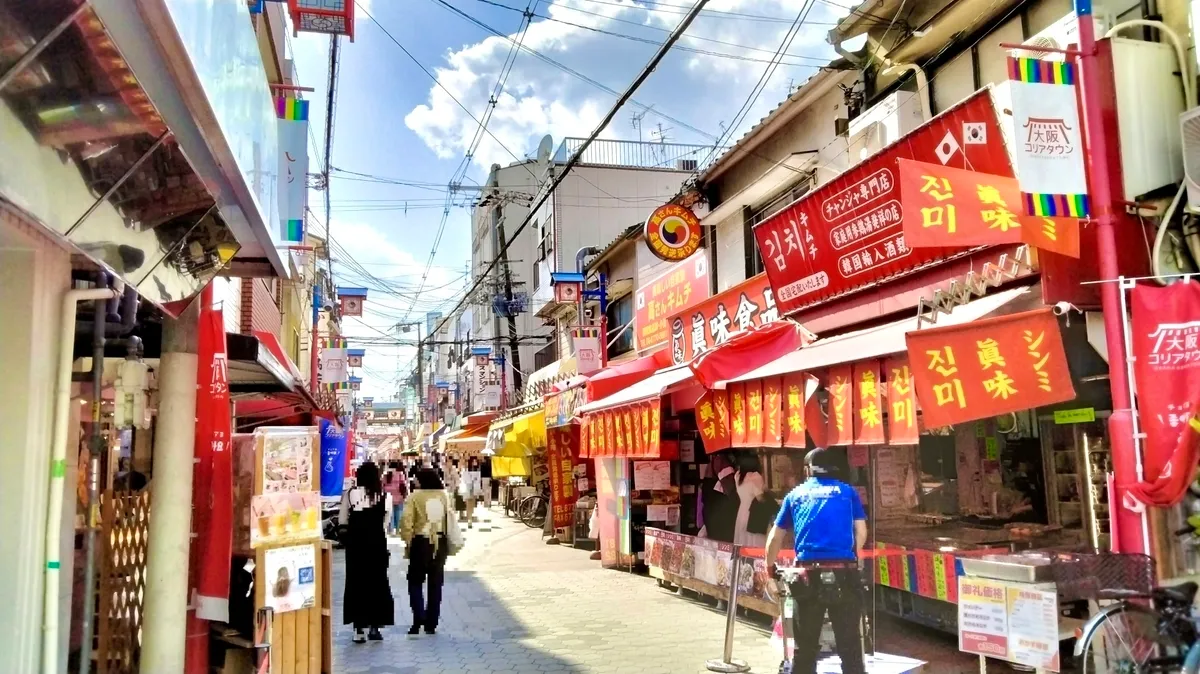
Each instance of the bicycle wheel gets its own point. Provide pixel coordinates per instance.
(1128, 641)
(535, 513)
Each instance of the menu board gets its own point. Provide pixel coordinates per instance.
(1013, 622)
(648, 475)
(287, 453)
(286, 504)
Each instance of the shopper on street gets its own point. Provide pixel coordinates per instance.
(829, 528)
(485, 480)
(430, 532)
(469, 487)
(396, 485)
(368, 599)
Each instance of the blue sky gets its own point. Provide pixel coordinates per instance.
(394, 122)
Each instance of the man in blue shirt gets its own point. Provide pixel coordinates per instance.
(828, 525)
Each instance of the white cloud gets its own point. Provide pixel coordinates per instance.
(698, 89)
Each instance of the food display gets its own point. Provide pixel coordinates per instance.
(688, 557)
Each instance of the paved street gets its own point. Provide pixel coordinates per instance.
(513, 604)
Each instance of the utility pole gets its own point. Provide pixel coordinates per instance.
(513, 344)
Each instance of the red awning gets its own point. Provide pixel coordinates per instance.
(747, 351)
(612, 379)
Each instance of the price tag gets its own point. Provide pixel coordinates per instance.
(1082, 415)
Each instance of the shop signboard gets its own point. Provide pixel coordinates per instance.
(1013, 622)
(841, 405)
(560, 462)
(560, 407)
(1166, 350)
(847, 234)
(682, 286)
(711, 322)
(868, 404)
(902, 414)
(672, 232)
(990, 367)
(291, 579)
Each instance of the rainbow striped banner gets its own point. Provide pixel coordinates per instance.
(338, 386)
(1047, 145)
(291, 109)
(335, 343)
(293, 166)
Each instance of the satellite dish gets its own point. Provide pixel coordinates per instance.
(543, 152)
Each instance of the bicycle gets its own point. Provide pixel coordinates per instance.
(532, 509)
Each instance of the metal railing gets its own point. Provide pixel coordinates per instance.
(634, 154)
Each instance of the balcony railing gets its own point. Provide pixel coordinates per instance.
(635, 154)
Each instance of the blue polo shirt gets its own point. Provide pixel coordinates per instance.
(820, 513)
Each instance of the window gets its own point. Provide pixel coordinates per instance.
(620, 313)
(751, 217)
(545, 356)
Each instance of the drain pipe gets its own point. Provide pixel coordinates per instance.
(58, 469)
(581, 255)
(95, 448)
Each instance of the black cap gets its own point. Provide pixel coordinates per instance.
(821, 461)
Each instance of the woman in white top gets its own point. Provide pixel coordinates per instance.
(469, 487)
(750, 487)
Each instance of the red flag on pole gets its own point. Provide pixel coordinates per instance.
(214, 470)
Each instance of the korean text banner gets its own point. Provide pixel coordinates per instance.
(989, 367)
(712, 418)
(847, 234)
(711, 322)
(797, 389)
(1166, 350)
(772, 388)
(684, 284)
(952, 207)
(1048, 148)
(902, 413)
(841, 405)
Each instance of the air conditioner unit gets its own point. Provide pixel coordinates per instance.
(884, 123)
(1060, 35)
(1189, 131)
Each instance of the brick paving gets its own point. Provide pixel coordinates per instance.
(513, 604)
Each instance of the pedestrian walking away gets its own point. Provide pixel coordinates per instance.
(367, 603)
(396, 485)
(469, 487)
(828, 524)
(430, 532)
(485, 480)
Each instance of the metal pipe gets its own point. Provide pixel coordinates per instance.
(95, 448)
(58, 470)
(37, 49)
(580, 256)
(727, 664)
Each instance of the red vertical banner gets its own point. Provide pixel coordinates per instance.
(754, 413)
(868, 404)
(619, 433)
(635, 425)
(611, 448)
(627, 424)
(644, 411)
(714, 431)
(794, 389)
(214, 470)
(655, 426)
(585, 438)
(772, 412)
(1166, 348)
(560, 464)
(841, 406)
(902, 400)
(737, 413)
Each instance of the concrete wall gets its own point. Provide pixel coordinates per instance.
(34, 274)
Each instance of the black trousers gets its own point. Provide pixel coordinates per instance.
(838, 591)
(426, 566)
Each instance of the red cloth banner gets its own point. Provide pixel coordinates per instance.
(1057, 235)
(585, 438)
(712, 418)
(847, 234)
(841, 406)
(754, 413)
(868, 404)
(795, 386)
(902, 413)
(656, 428)
(989, 367)
(561, 465)
(949, 207)
(631, 445)
(644, 413)
(213, 471)
(611, 448)
(737, 413)
(622, 449)
(1166, 350)
(772, 412)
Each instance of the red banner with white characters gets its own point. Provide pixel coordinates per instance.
(560, 462)
(707, 324)
(868, 404)
(989, 367)
(1166, 367)
(902, 398)
(213, 516)
(847, 234)
(841, 406)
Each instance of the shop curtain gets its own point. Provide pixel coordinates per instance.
(1166, 349)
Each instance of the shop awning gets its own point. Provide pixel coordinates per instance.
(469, 440)
(617, 377)
(882, 340)
(517, 436)
(651, 387)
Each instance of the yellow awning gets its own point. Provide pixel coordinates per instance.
(523, 434)
(504, 466)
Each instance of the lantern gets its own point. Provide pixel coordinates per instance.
(352, 300)
(354, 357)
(333, 17)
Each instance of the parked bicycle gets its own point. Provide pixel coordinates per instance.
(532, 509)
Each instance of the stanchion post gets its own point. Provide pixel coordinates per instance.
(727, 664)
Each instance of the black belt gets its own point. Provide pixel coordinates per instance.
(813, 565)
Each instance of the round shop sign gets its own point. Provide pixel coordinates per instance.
(673, 232)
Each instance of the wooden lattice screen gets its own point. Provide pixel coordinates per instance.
(121, 579)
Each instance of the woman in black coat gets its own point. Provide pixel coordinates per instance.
(367, 603)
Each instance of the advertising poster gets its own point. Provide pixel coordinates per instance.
(684, 284)
(291, 579)
(982, 617)
(333, 458)
(650, 475)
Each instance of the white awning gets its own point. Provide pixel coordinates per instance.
(770, 183)
(882, 340)
(654, 385)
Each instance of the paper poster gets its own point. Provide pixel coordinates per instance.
(687, 451)
(291, 579)
(1033, 628)
(651, 475)
(287, 460)
(982, 617)
(672, 515)
(284, 518)
(656, 513)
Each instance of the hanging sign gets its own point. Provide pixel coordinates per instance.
(333, 458)
(214, 470)
(737, 413)
(902, 413)
(352, 300)
(712, 322)
(772, 388)
(1048, 148)
(332, 366)
(712, 417)
(798, 388)
(847, 234)
(560, 407)
(292, 128)
(589, 349)
(672, 232)
(841, 405)
(990, 367)
(868, 404)
(354, 357)
(1166, 368)
(754, 413)
(682, 286)
(333, 18)
(945, 206)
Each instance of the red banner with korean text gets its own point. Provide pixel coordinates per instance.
(754, 413)
(214, 469)
(560, 463)
(737, 413)
(1166, 369)
(749, 304)
(946, 206)
(611, 447)
(990, 367)
(795, 394)
(847, 234)
(841, 405)
(632, 446)
(712, 419)
(683, 285)
(902, 413)
(640, 445)
(1057, 235)
(585, 438)
(772, 388)
(656, 444)
(868, 404)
